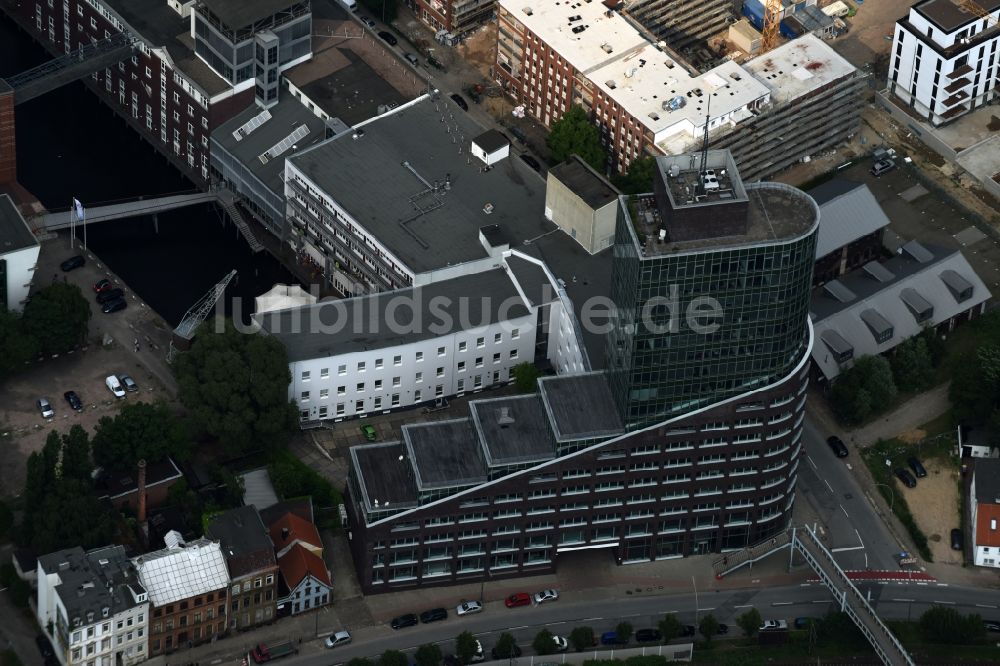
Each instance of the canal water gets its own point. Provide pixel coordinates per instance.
(69, 145)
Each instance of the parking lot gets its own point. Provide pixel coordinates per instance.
(22, 429)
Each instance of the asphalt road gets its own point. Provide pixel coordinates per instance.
(896, 601)
(857, 535)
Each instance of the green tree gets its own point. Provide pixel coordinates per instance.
(505, 646)
(575, 134)
(361, 661)
(293, 478)
(912, 366)
(708, 627)
(526, 377)
(393, 658)
(543, 643)
(57, 318)
(581, 638)
(639, 177)
(76, 462)
(189, 503)
(670, 627)
(428, 654)
(17, 346)
(624, 631)
(466, 647)
(140, 431)
(235, 387)
(750, 622)
(70, 515)
(946, 625)
(863, 390)
(970, 394)
(935, 345)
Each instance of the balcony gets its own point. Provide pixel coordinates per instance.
(960, 96)
(957, 85)
(959, 71)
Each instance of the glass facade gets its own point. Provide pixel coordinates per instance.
(696, 327)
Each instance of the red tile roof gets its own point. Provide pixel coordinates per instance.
(298, 529)
(298, 562)
(987, 532)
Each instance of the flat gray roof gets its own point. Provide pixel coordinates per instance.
(583, 181)
(523, 437)
(385, 181)
(949, 16)
(987, 478)
(159, 25)
(91, 581)
(14, 232)
(384, 477)
(532, 278)
(287, 115)
(581, 406)
(879, 305)
(445, 454)
(387, 319)
(241, 13)
(847, 211)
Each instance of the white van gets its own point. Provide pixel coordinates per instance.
(350, 5)
(114, 386)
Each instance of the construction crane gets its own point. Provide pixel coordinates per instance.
(184, 333)
(772, 24)
(974, 8)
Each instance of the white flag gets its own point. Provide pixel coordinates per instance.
(79, 209)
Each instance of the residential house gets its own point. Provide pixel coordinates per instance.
(253, 570)
(92, 607)
(984, 505)
(187, 584)
(305, 579)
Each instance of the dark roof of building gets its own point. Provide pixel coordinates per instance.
(582, 180)
(531, 277)
(285, 117)
(93, 581)
(445, 454)
(524, 436)
(343, 85)
(949, 16)
(241, 13)
(299, 562)
(385, 475)
(385, 180)
(491, 141)
(300, 506)
(244, 540)
(156, 473)
(159, 25)
(394, 318)
(987, 479)
(14, 232)
(581, 406)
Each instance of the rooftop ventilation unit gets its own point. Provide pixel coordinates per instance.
(252, 124)
(488, 208)
(606, 47)
(505, 420)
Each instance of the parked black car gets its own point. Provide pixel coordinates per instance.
(110, 295)
(72, 262)
(530, 161)
(408, 620)
(906, 478)
(114, 306)
(458, 99)
(74, 400)
(388, 38)
(838, 446)
(433, 615)
(648, 636)
(957, 541)
(917, 467)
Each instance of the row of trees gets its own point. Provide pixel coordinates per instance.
(54, 321)
(873, 382)
(975, 385)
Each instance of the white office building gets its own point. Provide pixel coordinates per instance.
(92, 607)
(18, 256)
(944, 58)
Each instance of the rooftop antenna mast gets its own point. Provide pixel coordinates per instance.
(704, 149)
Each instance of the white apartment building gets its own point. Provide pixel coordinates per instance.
(18, 256)
(92, 607)
(944, 60)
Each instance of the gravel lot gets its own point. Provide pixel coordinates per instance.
(934, 504)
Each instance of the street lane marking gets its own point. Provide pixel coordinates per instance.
(699, 610)
(553, 624)
(846, 548)
(591, 619)
(810, 458)
(782, 603)
(524, 627)
(985, 606)
(942, 584)
(822, 601)
(944, 603)
(905, 601)
(844, 510)
(828, 485)
(860, 540)
(744, 606)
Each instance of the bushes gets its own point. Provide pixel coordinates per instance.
(293, 478)
(863, 390)
(947, 625)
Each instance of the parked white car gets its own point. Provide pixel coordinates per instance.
(546, 595)
(771, 625)
(337, 638)
(115, 386)
(469, 608)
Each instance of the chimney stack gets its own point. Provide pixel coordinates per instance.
(142, 492)
(284, 533)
